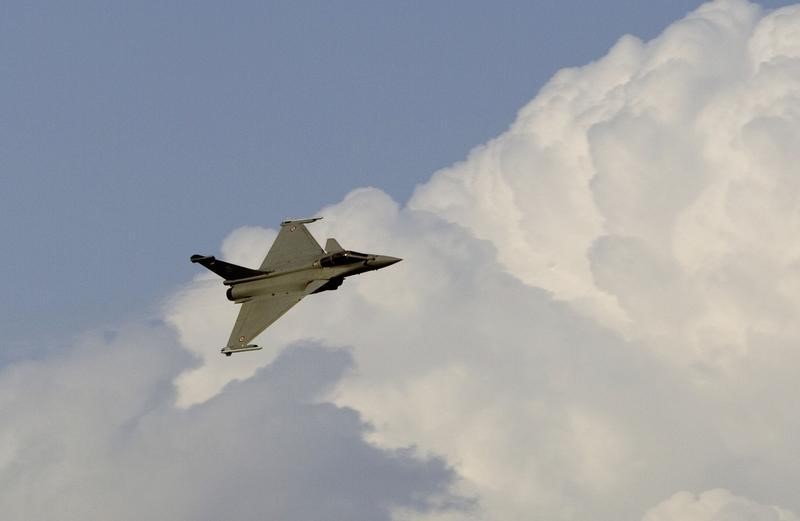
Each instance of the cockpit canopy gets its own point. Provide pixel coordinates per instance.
(342, 258)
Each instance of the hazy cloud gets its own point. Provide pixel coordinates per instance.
(715, 505)
(93, 434)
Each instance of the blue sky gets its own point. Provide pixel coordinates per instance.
(135, 134)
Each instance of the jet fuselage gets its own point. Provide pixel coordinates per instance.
(333, 268)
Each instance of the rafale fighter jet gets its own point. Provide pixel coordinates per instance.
(295, 266)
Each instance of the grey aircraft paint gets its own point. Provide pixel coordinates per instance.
(295, 266)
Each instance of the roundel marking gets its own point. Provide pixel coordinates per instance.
(241, 339)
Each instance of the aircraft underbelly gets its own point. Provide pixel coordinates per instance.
(262, 287)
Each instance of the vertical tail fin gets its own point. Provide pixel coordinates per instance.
(224, 269)
(332, 246)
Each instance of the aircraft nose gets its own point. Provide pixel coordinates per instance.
(381, 261)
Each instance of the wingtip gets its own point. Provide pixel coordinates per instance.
(300, 221)
(229, 350)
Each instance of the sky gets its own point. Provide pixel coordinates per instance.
(596, 315)
(134, 136)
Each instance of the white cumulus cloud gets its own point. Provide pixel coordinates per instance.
(600, 306)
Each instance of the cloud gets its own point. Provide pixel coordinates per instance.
(600, 306)
(93, 434)
(715, 505)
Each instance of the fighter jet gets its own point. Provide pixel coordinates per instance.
(295, 266)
